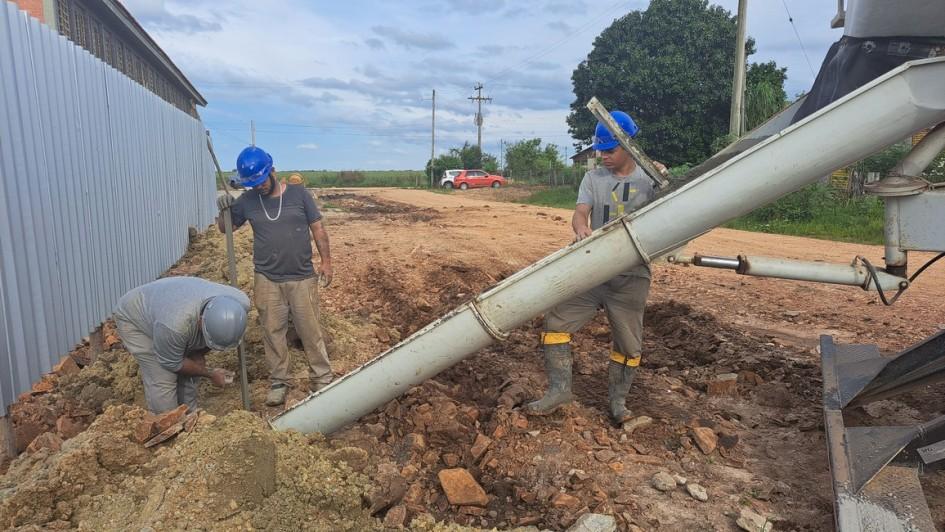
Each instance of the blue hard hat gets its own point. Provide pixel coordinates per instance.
(253, 166)
(603, 140)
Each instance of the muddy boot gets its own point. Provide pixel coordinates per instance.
(276, 395)
(558, 368)
(619, 379)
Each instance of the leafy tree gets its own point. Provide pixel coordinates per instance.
(527, 159)
(671, 68)
(764, 95)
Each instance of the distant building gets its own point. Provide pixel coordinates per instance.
(108, 31)
(586, 157)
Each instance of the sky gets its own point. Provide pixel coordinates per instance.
(339, 86)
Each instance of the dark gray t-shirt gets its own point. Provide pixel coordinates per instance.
(282, 241)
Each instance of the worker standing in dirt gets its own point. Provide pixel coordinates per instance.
(606, 193)
(282, 217)
(169, 325)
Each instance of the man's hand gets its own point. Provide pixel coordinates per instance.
(582, 233)
(224, 201)
(661, 167)
(325, 274)
(218, 377)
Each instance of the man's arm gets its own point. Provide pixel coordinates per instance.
(169, 348)
(579, 222)
(324, 250)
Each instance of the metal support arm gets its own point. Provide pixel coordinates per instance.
(854, 274)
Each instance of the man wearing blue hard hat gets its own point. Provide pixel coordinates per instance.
(282, 217)
(606, 193)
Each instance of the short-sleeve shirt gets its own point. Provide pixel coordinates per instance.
(611, 196)
(282, 242)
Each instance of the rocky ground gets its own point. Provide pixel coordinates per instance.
(728, 398)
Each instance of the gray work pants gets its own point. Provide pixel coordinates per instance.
(274, 301)
(623, 298)
(163, 390)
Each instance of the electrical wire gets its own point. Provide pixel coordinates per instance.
(798, 35)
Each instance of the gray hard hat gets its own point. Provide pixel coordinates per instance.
(223, 322)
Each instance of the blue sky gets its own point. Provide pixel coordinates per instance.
(338, 85)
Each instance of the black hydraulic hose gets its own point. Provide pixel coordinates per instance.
(875, 278)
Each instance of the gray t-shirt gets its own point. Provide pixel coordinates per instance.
(611, 197)
(166, 310)
(282, 248)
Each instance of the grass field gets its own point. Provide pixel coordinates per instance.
(360, 178)
(817, 211)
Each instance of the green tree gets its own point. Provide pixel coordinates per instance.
(671, 68)
(764, 95)
(526, 159)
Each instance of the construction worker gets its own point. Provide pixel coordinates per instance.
(608, 192)
(282, 217)
(169, 325)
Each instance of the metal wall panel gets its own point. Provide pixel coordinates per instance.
(99, 181)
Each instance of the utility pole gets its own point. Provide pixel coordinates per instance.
(433, 140)
(501, 156)
(738, 84)
(252, 132)
(479, 99)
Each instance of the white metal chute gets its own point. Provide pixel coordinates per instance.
(886, 110)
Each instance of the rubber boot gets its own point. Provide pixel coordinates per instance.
(558, 368)
(619, 379)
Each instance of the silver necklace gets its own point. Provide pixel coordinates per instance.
(278, 214)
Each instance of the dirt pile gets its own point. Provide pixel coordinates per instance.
(228, 473)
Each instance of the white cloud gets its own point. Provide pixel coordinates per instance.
(308, 146)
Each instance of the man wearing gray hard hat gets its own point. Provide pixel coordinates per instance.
(169, 325)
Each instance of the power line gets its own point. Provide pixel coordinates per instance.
(798, 35)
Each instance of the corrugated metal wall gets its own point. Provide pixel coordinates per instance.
(99, 181)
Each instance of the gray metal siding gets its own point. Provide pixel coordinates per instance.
(99, 181)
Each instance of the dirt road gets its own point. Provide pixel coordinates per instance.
(403, 258)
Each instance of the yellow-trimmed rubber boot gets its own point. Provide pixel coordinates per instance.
(558, 362)
(619, 379)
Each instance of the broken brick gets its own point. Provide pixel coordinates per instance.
(170, 418)
(472, 510)
(415, 442)
(45, 385)
(724, 385)
(146, 428)
(461, 488)
(705, 439)
(563, 500)
(479, 446)
(520, 422)
(68, 427)
(450, 459)
(46, 440)
(396, 516)
(66, 366)
(499, 432)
